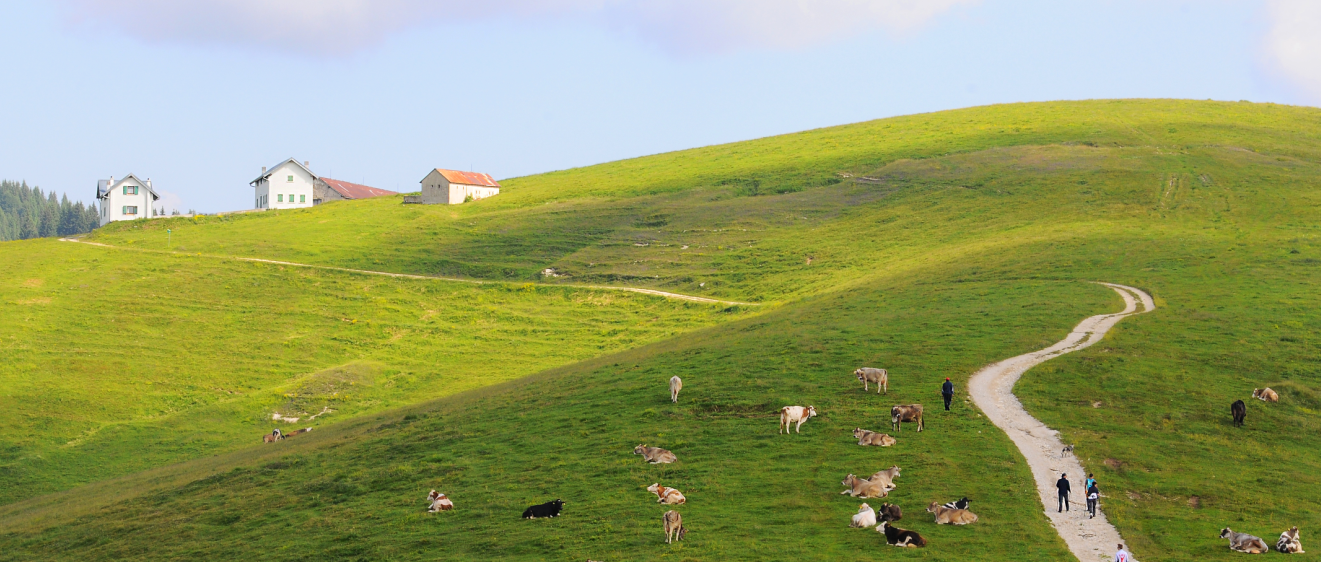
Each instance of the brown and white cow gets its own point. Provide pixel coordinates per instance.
(865, 437)
(275, 435)
(869, 375)
(1265, 394)
(792, 414)
(299, 431)
(654, 455)
(674, 529)
(1289, 542)
(906, 413)
(439, 502)
(676, 384)
(668, 496)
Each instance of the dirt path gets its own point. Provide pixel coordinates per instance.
(428, 277)
(991, 388)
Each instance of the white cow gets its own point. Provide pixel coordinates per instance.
(676, 384)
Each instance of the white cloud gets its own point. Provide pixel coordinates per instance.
(1293, 43)
(339, 27)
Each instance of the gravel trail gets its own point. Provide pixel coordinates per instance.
(991, 388)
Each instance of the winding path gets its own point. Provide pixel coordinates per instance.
(992, 388)
(654, 292)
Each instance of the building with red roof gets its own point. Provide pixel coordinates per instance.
(453, 187)
(327, 190)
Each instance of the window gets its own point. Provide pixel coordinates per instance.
(291, 198)
(302, 198)
(290, 180)
(130, 209)
(130, 190)
(279, 198)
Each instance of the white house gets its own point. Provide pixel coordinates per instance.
(287, 185)
(126, 199)
(453, 187)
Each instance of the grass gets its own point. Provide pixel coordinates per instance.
(929, 244)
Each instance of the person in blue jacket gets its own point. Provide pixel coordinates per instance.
(947, 392)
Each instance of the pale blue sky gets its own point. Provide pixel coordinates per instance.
(199, 101)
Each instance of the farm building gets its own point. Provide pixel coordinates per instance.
(127, 199)
(326, 190)
(453, 187)
(287, 185)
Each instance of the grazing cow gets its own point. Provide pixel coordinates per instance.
(1240, 411)
(894, 536)
(439, 502)
(948, 516)
(666, 495)
(1289, 542)
(1243, 542)
(791, 414)
(886, 477)
(872, 438)
(957, 504)
(859, 488)
(676, 384)
(275, 435)
(906, 413)
(548, 509)
(865, 517)
(1265, 394)
(654, 455)
(674, 529)
(299, 431)
(869, 375)
(891, 512)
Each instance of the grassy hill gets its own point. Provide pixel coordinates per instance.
(929, 244)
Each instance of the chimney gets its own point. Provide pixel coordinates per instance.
(263, 169)
(306, 163)
(148, 182)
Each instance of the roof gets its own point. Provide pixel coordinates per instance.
(468, 178)
(272, 169)
(355, 191)
(103, 190)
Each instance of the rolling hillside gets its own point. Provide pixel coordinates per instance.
(929, 244)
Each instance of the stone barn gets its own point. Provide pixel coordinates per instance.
(453, 187)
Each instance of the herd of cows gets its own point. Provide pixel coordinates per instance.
(878, 485)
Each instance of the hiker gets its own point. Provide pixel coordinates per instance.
(947, 392)
(1091, 481)
(1093, 496)
(1123, 555)
(1063, 486)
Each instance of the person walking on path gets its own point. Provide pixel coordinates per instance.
(1093, 496)
(1063, 486)
(1122, 555)
(947, 392)
(1091, 481)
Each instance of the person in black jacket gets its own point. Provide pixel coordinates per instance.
(1063, 486)
(947, 392)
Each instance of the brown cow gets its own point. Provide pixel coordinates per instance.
(890, 512)
(906, 413)
(951, 516)
(1265, 394)
(859, 488)
(274, 436)
(673, 526)
(872, 438)
(654, 455)
(869, 375)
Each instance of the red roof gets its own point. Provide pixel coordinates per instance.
(468, 178)
(355, 191)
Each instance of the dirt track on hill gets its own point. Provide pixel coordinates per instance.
(991, 388)
(654, 292)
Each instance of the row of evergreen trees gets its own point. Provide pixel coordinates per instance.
(25, 212)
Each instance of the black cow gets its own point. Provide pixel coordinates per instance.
(1240, 411)
(548, 509)
(889, 512)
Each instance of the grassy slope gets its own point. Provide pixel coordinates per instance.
(1210, 206)
(117, 360)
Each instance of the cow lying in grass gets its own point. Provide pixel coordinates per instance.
(668, 496)
(275, 435)
(799, 414)
(869, 375)
(890, 512)
(886, 477)
(548, 509)
(1265, 394)
(1289, 542)
(866, 437)
(1243, 542)
(865, 517)
(654, 455)
(961, 503)
(906, 413)
(861, 488)
(439, 502)
(674, 529)
(949, 516)
(297, 432)
(894, 536)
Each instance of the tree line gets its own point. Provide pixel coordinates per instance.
(26, 212)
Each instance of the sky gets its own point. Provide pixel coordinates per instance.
(199, 95)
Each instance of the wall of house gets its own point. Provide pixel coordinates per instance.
(112, 207)
(435, 189)
(458, 192)
(322, 193)
(278, 190)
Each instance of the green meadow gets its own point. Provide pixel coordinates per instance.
(929, 244)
